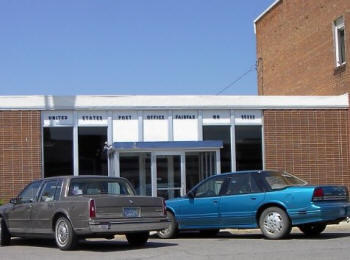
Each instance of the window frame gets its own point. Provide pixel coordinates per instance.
(339, 25)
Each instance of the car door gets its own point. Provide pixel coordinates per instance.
(19, 213)
(240, 201)
(202, 211)
(44, 209)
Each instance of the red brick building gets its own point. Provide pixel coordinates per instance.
(303, 48)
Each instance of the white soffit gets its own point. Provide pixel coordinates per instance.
(263, 13)
(138, 102)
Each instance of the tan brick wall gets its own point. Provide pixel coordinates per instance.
(295, 49)
(20, 150)
(312, 144)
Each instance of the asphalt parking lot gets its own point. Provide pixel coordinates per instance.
(334, 243)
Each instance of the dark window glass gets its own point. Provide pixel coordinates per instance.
(29, 193)
(221, 133)
(248, 148)
(210, 188)
(92, 156)
(137, 169)
(341, 37)
(48, 192)
(58, 151)
(199, 166)
(239, 184)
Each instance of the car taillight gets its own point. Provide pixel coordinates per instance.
(92, 209)
(318, 194)
(164, 208)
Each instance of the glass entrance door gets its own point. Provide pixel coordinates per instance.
(168, 175)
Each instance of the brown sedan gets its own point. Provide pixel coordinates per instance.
(68, 208)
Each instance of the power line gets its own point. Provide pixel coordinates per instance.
(252, 67)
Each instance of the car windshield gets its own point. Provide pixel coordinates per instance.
(280, 180)
(97, 186)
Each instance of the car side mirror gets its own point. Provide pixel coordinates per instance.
(14, 201)
(190, 194)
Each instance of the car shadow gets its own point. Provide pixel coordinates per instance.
(256, 234)
(94, 245)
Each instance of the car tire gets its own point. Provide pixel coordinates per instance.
(137, 239)
(274, 223)
(5, 236)
(209, 232)
(65, 236)
(172, 229)
(312, 229)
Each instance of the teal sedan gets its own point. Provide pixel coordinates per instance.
(270, 200)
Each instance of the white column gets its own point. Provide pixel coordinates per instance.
(154, 174)
(142, 174)
(183, 175)
(233, 142)
(75, 145)
(218, 162)
(116, 165)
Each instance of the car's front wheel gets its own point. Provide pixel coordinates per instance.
(65, 236)
(312, 229)
(137, 239)
(171, 230)
(274, 223)
(5, 236)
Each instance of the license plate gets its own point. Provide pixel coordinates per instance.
(131, 212)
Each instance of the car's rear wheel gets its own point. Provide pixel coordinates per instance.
(65, 236)
(171, 230)
(137, 239)
(209, 232)
(5, 236)
(274, 223)
(312, 229)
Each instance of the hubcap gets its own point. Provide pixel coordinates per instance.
(273, 223)
(62, 232)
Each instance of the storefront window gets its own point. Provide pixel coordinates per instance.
(220, 133)
(92, 156)
(58, 151)
(248, 148)
(137, 169)
(199, 165)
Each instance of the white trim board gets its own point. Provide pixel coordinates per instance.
(154, 102)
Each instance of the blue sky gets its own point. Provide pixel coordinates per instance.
(66, 47)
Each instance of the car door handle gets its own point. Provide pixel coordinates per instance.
(215, 201)
(253, 198)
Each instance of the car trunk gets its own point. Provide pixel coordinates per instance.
(116, 207)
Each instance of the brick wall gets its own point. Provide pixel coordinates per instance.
(295, 49)
(20, 151)
(312, 144)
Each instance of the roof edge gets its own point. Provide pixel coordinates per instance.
(265, 12)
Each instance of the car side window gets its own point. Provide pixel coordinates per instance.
(29, 193)
(210, 188)
(239, 184)
(48, 191)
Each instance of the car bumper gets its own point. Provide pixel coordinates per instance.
(123, 226)
(321, 212)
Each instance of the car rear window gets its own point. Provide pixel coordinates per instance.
(279, 180)
(97, 186)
